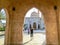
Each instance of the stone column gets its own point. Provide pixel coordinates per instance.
(51, 27)
(58, 14)
(14, 28)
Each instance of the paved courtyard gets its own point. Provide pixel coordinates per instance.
(38, 39)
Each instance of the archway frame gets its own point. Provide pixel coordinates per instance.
(45, 8)
(48, 22)
(7, 24)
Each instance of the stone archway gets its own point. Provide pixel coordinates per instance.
(16, 23)
(5, 21)
(7, 26)
(16, 18)
(50, 39)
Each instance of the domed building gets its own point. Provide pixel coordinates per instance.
(34, 20)
(34, 14)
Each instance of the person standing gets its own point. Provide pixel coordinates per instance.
(28, 30)
(31, 31)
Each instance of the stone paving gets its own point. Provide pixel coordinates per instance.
(1, 40)
(2, 37)
(2, 33)
(38, 39)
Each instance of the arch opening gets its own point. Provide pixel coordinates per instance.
(34, 20)
(3, 24)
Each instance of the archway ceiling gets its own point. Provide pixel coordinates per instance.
(29, 2)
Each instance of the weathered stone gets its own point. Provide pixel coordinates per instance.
(15, 19)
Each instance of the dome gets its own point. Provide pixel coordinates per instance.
(34, 14)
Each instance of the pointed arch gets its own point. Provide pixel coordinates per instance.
(5, 21)
(33, 9)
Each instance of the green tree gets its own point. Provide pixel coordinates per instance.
(2, 16)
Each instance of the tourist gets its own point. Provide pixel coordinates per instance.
(31, 32)
(28, 30)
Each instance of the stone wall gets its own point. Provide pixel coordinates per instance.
(17, 10)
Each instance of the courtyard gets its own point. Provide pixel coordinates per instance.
(39, 38)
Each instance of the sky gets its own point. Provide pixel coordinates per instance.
(28, 14)
(3, 21)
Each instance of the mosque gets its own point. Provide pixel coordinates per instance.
(35, 21)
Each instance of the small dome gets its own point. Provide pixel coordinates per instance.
(34, 14)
